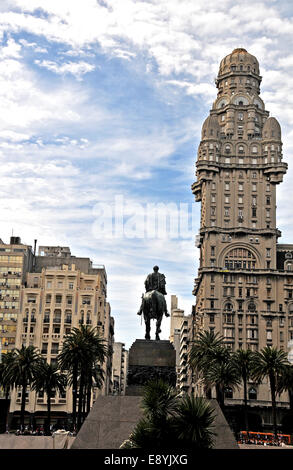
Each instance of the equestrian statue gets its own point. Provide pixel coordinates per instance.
(153, 305)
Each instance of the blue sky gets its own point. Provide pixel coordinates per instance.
(107, 98)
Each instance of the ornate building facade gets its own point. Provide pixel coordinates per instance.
(62, 292)
(244, 288)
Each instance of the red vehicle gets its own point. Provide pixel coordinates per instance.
(254, 437)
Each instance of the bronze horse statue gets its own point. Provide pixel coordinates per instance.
(153, 305)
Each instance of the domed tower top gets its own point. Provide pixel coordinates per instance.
(239, 61)
(210, 128)
(272, 129)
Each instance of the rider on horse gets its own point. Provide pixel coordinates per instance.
(153, 304)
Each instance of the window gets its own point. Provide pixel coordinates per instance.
(227, 186)
(240, 258)
(254, 149)
(251, 334)
(269, 335)
(49, 284)
(252, 394)
(70, 285)
(55, 348)
(212, 318)
(228, 392)
(254, 175)
(253, 214)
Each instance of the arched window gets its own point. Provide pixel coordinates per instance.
(229, 307)
(252, 394)
(251, 307)
(240, 258)
(254, 149)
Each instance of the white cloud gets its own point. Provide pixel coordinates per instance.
(44, 129)
(75, 68)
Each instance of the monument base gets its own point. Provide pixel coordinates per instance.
(150, 360)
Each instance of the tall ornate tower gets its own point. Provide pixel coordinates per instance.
(243, 289)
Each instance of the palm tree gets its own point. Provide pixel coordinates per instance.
(48, 380)
(204, 349)
(222, 373)
(243, 361)
(7, 359)
(286, 383)
(270, 362)
(82, 349)
(95, 378)
(194, 422)
(154, 429)
(22, 372)
(170, 420)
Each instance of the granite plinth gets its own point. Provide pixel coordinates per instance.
(109, 423)
(149, 360)
(113, 418)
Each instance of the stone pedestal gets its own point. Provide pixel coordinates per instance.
(148, 360)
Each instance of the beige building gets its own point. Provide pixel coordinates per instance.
(119, 368)
(244, 288)
(52, 302)
(177, 318)
(16, 259)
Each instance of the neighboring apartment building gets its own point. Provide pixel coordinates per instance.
(244, 288)
(177, 317)
(119, 368)
(16, 259)
(185, 373)
(55, 298)
(181, 336)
